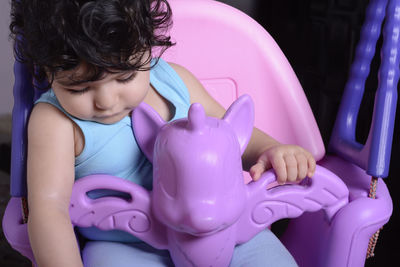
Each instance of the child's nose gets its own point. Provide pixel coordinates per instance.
(105, 99)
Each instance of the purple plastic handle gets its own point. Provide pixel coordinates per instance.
(107, 213)
(374, 156)
(23, 102)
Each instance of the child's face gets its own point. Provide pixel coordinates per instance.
(107, 100)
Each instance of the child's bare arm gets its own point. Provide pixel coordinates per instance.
(290, 162)
(50, 172)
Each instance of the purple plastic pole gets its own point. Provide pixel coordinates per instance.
(23, 101)
(374, 156)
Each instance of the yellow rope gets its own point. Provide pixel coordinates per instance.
(25, 210)
(374, 239)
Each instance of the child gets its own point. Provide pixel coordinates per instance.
(97, 58)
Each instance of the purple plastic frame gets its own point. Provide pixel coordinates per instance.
(374, 156)
(23, 102)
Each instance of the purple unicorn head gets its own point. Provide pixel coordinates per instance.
(198, 185)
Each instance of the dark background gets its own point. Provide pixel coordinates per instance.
(318, 37)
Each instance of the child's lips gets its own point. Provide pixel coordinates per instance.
(113, 115)
(122, 113)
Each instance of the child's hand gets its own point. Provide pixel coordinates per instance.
(290, 162)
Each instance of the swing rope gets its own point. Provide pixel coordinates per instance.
(374, 238)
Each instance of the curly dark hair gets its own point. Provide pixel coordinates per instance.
(108, 35)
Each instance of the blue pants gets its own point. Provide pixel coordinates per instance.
(263, 250)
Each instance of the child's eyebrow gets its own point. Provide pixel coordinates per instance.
(70, 82)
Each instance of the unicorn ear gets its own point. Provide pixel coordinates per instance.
(196, 117)
(240, 115)
(146, 123)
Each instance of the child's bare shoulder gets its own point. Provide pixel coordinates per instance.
(49, 124)
(44, 113)
(47, 121)
(184, 73)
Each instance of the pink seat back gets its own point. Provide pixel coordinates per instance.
(233, 55)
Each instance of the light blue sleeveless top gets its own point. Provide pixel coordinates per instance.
(112, 148)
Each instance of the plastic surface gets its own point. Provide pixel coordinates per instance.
(14, 230)
(23, 102)
(343, 241)
(374, 156)
(233, 55)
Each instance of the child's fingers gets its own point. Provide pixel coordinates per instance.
(256, 170)
(260, 167)
(291, 167)
(302, 166)
(279, 166)
(311, 165)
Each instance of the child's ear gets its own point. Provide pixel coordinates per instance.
(146, 123)
(240, 115)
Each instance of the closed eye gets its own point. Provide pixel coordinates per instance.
(78, 92)
(127, 79)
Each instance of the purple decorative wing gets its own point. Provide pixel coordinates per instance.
(324, 191)
(107, 213)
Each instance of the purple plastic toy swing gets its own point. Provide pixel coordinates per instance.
(348, 218)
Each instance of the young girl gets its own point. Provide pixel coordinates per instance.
(97, 58)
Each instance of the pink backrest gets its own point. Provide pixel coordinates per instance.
(233, 55)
